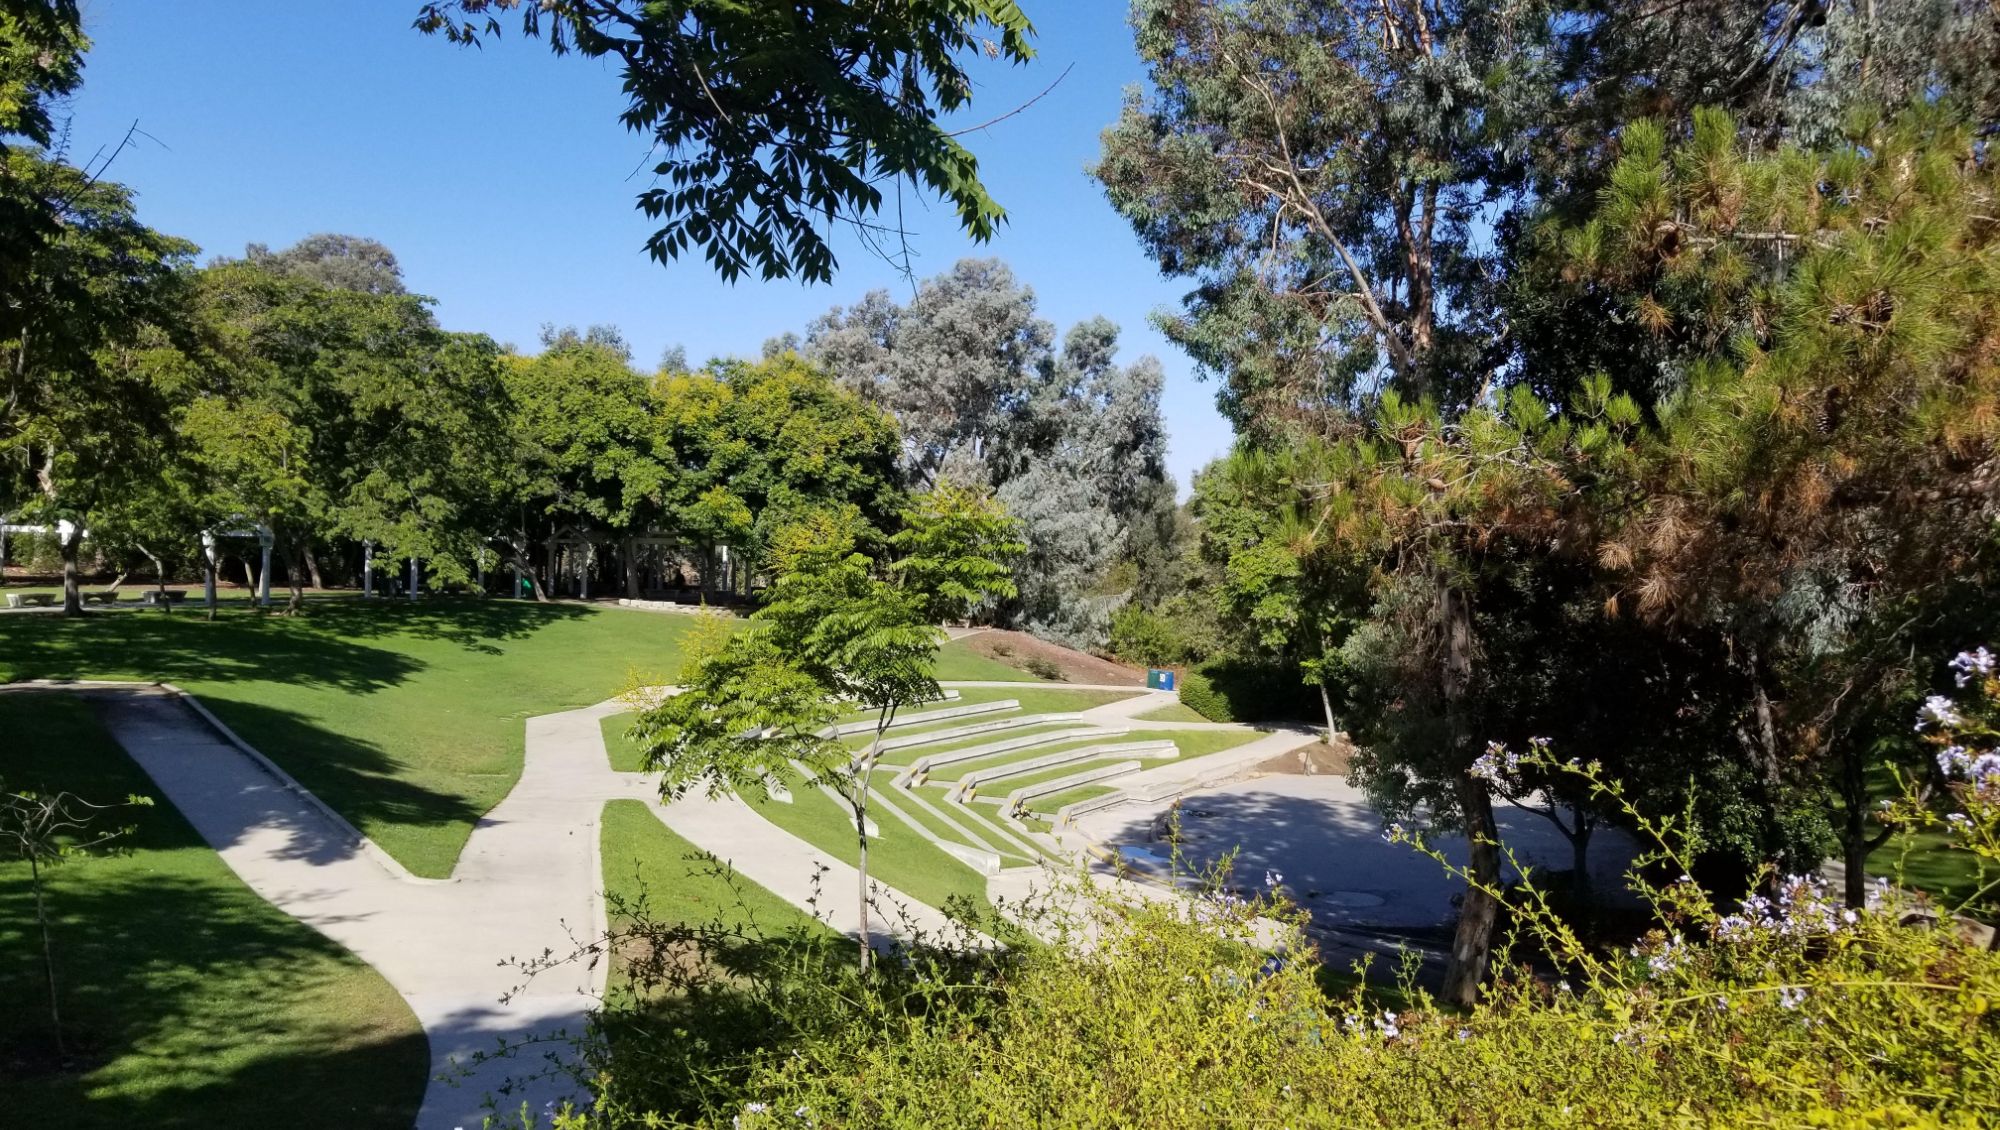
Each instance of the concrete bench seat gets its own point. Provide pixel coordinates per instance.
(174, 596)
(1015, 802)
(960, 733)
(968, 785)
(30, 600)
(920, 770)
(925, 717)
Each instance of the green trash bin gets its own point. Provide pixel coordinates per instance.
(1159, 679)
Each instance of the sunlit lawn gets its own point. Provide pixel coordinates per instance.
(194, 1002)
(406, 718)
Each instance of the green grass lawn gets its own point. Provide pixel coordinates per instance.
(644, 858)
(899, 857)
(1055, 801)
(957, 661)
(406, 718)
(1929, 860)
(624, 752)
(195, 1002)
(1172, 712)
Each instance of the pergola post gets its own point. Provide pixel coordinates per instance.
(479, 570)
(413, 576)
(264, 570)
(367, 570)
(208, 570)
(516, 594)
(583, 572)
(631, 568)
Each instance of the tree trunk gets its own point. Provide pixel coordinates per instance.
(519, 549)
(159, 580)
(312, 569)
(1326, 703)
(860, 802)
(1579, 857)
(48, 955)
(72, 588)
(1480, 910)
(294, 580)
(1472, 944)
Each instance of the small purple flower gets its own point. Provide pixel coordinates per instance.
(1791, 998)
(1978, 661)
(1938, 710)
(1960, 823)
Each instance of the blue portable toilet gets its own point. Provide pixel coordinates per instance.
(1159, 679)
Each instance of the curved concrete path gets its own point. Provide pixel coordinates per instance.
(527, 885)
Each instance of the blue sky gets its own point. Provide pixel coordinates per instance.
(500, 177)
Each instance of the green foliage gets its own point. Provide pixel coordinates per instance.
(1245, 690)
(956, 545)
(772, 126)
(192, 1001)
(1788, 1011)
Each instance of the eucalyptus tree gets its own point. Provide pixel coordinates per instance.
(986, 393)
(344, 262)
(774, 123)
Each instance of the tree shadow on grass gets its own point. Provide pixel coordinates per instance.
(186, 649)
(356, 778)
(338, 644)
(468, 622)
(196, 1004)
(193, 1001)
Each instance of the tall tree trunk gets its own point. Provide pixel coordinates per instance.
(519, 548)
(1472, 944)
(312, 569)
(1856, 841)
(1579, 858)
(72, 588)
(1326, 704)
(294, 580)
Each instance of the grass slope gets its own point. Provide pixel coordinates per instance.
(196, 1003)
(646, 860)
(899, 857)
(406, 718)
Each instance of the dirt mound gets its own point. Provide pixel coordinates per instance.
(1050, 661)
(1318, 757)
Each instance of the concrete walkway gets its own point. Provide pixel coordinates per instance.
(528, 884)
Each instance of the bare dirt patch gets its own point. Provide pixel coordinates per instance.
(1316, 758)
(1051, 661)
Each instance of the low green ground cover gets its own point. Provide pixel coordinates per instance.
(195, 1003)
(406, 718)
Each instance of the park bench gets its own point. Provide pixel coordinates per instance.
(101, 597)
(30, 600)
(152, 596)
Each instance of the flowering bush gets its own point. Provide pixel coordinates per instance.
(1788, 1009)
